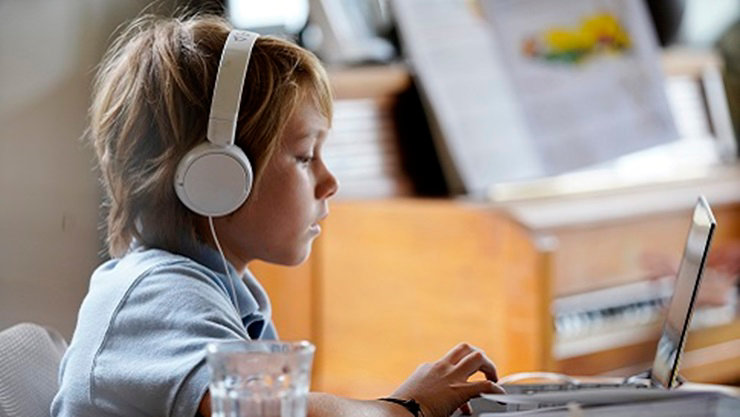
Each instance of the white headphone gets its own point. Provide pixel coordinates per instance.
(215, 177)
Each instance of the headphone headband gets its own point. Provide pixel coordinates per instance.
(215, 177)
(227, 91)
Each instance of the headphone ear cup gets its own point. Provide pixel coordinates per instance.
(214, 180)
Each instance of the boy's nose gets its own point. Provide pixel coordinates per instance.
(328, 186)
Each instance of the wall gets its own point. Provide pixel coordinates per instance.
(49, 236)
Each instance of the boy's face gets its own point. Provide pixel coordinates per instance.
(280, 219)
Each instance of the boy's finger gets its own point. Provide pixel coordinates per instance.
(476, 388)
(474, 362)
(466, 409)
(458, 352)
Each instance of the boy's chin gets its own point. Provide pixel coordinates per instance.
(294, 259)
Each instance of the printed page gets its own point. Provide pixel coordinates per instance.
(587, 75)
(480, 130)
(521, 89)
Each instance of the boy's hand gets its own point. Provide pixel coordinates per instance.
(442, 387)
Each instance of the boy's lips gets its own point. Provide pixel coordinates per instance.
(315, 227)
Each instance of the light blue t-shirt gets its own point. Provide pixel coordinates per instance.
(139, 345)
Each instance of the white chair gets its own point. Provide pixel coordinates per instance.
(29, 362)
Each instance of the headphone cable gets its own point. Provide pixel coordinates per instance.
(234, 298)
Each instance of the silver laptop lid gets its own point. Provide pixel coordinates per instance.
(672, 339)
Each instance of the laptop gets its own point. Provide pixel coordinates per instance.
(663, 374)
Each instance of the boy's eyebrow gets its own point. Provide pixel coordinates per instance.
(301, 138)
(304, 138)
(318, 134)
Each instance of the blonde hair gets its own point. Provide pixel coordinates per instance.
(150, 106)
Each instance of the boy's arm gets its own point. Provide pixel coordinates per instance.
(439, 388)
(320, 405)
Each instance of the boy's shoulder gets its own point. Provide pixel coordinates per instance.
(153, 308)
(152, 279)
(145, 260)
(153, 264)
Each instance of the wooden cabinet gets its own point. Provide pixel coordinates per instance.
(397, 282)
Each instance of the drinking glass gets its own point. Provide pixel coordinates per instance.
(260, 378)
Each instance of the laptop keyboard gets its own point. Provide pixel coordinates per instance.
(539, 388)
(535, 388)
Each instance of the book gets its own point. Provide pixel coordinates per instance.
(523, 89)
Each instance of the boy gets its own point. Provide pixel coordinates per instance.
(178, 276)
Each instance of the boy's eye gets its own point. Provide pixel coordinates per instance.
(304, 159)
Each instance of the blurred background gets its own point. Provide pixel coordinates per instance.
(418, 253)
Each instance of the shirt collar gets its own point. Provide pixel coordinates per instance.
(249, 297)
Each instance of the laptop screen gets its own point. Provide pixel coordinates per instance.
(672, 339)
